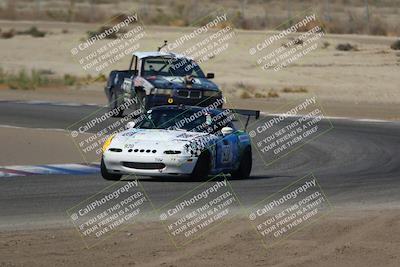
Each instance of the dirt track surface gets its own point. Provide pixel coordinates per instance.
(347, 238)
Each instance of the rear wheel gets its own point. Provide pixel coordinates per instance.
(106, 175)
(141, 95)
(203, 166)
(246, 162)
(117, 111)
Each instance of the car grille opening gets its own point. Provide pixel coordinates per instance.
(193, 94)
(172, 152)
(183, 93)
(115, 149)
(143, 165)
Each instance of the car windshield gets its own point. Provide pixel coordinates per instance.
(189, 120)
(171, 67)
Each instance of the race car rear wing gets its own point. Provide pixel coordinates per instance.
(247, 112)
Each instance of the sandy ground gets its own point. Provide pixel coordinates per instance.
(343, 238)
(360, 82)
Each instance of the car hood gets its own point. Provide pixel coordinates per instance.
(177, 82)
(189, 142)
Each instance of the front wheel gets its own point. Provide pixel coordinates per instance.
(203, 166)
(246, 162)
(106, 175)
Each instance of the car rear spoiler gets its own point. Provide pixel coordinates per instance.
(247, 112)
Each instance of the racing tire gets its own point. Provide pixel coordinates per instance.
(106, 175)
(245, 165)
(114, 105)
(203, 167)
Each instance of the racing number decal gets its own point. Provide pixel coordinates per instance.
(129, 145)
(226, 153)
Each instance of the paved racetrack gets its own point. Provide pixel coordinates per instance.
(356, 163)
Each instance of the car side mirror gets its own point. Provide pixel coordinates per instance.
(127, 85)
(226, 131)
(210, 75)
(130, 125)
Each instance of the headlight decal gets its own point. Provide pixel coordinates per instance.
(161, 91)
(107, 143)
(211, 93)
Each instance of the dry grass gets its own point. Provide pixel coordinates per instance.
(247, 91)
(343, 16)
(250, 88)
(395, 45)
(295, 90)
(260, 95)
(273, 94)
(347, 47)
(32, 31)
(325, 45)
(245, 95)
(8, 34)
(42, 78)
(102, 30)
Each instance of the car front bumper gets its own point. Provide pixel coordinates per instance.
(148, 164)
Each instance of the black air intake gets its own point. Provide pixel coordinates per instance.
(143, 166)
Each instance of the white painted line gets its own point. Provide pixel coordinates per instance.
(42, 129)
(40, 102)
(47, 169)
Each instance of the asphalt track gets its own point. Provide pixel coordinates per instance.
(357, 163)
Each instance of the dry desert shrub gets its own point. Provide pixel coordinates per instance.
(311, 25)
(325, 45)
(245, 95)
(29, 80)
(260, 95)
(273, 94)
(7, 34)
(295, 90)
(347, 47)
(395, 45)
(378, 27)
(118, 17)
(23, 79)
(101, 30)
(246, 87)
(33, 31)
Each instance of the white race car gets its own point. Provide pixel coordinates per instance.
(179, 140)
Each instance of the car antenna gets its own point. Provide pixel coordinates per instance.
(161, 47)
